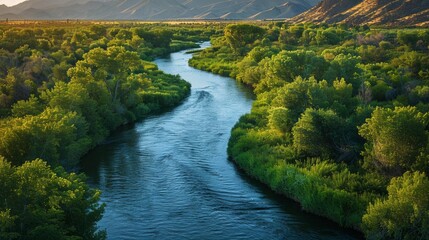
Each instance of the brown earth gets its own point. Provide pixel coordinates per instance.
(372, 12)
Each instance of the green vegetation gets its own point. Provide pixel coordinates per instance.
(63, 89)
(340, 123)
(40, 203)
(410, 201)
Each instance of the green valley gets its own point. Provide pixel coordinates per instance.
(340, 123)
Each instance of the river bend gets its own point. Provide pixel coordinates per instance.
(168, 177)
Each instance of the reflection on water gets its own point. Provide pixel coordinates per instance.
(168, 177)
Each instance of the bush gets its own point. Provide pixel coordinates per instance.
(40, 203)
(405, 212)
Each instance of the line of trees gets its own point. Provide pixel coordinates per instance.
(63, 89)
(340, 123)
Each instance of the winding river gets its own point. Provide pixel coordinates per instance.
(168, 177)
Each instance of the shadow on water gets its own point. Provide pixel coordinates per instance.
(294, 208)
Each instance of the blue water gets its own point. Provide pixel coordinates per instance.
(168, 177)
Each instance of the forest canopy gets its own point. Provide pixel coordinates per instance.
(340, 123)
(63, 89)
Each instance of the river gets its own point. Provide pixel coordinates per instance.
(168, 177)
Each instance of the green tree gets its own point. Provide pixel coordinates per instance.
(280, 118)
(251, 69)
(320, 133)
(115, 64)
(404, 214)
(301, 94)
(40, 203)
(395, 138)
(22, 108)
(239, 36)
(413, 62)
(15, 86)
(288, 65)
(344, 66)
(157, 38)
(55, 135)
(408, 38)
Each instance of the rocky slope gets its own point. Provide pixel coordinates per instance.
(156, 9)
(388, 12)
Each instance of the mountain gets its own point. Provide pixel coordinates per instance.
(388, 12)
(157, 9)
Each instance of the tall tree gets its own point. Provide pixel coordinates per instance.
(395, 138)
(239, 35)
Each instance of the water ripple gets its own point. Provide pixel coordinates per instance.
(169, 178)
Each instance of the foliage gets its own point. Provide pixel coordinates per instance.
(340, 111)
(405, 212)
(318, 133)
(65, 98)
(63, 89)
(395, 138)
(238, 36)
(40, 203)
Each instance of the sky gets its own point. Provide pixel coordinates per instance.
(10, 2)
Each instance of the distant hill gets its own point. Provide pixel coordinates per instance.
(388, 12)
(157, 9)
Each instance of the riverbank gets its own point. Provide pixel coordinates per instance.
(262, 152)
(88, 82)
(168, 176)
(325, 129)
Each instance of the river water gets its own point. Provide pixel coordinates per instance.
(168, 177)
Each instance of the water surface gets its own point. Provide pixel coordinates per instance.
(169, 177)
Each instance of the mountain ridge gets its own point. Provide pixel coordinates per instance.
(157, 9)
(372, 12)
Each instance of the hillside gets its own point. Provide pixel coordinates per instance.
(389, 12)
(157, 9)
